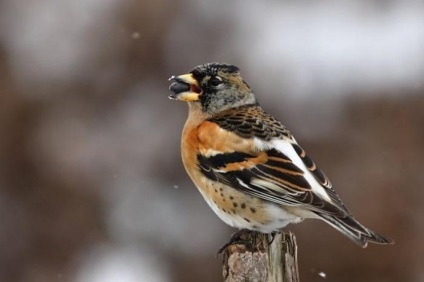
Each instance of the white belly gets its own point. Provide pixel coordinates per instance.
(279, 218)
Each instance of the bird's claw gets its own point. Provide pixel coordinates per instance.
(241, 237)
(236, 238)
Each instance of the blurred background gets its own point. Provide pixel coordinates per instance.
(92, 188)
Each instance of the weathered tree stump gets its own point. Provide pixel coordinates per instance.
(259, 261)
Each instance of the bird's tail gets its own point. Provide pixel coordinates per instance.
(354, 230)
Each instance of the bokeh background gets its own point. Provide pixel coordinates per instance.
(92, 188)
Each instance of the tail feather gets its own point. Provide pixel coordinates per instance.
(354, 230)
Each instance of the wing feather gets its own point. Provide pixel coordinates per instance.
(319, 176)
(262, 159)
(268, 181)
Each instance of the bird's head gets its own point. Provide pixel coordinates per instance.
(213, 87)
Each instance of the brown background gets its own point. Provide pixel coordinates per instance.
(91, 183)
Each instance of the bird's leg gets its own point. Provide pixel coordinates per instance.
(252, 246)
(236, 238)
(272, 237)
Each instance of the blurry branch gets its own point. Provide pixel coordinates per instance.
(275, 262)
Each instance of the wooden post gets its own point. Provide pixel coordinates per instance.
(260, 261)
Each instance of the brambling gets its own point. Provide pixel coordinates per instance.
(247, 165)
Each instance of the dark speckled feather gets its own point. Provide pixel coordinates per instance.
(251, 121)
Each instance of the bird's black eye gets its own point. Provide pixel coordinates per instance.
(215, 80)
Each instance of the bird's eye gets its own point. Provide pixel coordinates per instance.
(215, 80)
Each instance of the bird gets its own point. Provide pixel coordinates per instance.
(247, 165)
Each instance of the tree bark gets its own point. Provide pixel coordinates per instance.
(259, 260)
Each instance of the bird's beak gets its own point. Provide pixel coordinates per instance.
(185, 88)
